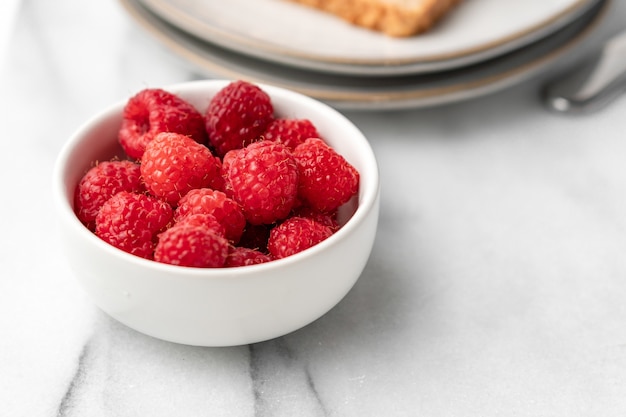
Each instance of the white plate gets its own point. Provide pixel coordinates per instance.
(376, 93)
(289, 33)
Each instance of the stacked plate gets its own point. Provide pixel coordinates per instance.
(482, 46)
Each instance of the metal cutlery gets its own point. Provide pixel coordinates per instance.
(596, 81)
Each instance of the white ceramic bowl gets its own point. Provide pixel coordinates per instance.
(227, 306)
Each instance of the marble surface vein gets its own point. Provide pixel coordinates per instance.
(496, 285)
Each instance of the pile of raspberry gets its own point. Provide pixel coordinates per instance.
(230, 186)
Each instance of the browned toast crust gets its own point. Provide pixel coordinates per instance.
(398, 19)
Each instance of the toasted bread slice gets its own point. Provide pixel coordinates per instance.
(398, 18)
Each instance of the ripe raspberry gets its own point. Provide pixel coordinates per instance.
(327, 180)
(295, 235)
(328, 219)
(240, 256)
(193, 246)
(201, 219)
(263, 179)
(152, 111)
(131, 221)
(173, 164)
(290, 132)
(100, 183)
(225, 210)
(237, 115)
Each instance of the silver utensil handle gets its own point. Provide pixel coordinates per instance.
(596, 81)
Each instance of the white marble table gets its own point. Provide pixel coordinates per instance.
(497, 285)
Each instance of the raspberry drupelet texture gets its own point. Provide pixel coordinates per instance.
(100, 183)
(173, 164)
(327, 218)
(152, 111)
(201, 219)
(225, 210)
(290, 132)
(131, 222)
(191, 245)
(240, 256)
(263, 179)
(327, 180)
(295, 235)
(237, 115)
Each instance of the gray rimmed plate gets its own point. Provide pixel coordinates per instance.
(371, 93)
(282, 32)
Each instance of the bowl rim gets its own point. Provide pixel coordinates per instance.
(367, 198)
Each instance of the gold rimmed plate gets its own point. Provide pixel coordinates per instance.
(371, 93)
(290, 34)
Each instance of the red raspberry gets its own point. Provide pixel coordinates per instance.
(290, 132)
(240, 256)
(263, 179)
(131, 222)
(152, 111)
(327, 180)
(100, 183)
(193, 246)
(202, 219)
(328, 219)
(173, 164)
(237, 115)
(295, 235)
(226, 210)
